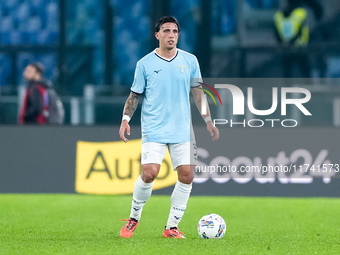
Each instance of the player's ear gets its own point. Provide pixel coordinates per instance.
(156, 35)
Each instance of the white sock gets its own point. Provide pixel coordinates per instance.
(141, 194)
(179, 199)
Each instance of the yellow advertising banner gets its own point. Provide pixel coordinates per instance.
(113, 168)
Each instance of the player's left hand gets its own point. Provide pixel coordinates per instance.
(214, 132)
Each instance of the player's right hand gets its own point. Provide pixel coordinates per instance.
(124, 127)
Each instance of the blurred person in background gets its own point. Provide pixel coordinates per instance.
(41, 104)
(291, 24)
(292, 29)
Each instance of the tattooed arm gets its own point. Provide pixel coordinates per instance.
(131, 104)
(129, 109)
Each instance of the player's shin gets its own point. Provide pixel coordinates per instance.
(141, 193)
(179, 199)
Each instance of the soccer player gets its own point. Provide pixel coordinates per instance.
(165, 77)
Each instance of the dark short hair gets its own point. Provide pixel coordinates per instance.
(39, 67)
(166, 19)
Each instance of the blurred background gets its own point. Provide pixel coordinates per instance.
(90, 48)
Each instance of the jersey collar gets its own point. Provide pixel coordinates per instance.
(166, 59)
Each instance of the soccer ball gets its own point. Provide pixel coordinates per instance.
(211, 226)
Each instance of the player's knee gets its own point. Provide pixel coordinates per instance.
(185, 174)
(148, 177)
(186, 178)
(149, 174)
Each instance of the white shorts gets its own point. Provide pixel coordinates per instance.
(180, 153)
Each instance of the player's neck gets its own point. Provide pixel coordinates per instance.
(167, 54)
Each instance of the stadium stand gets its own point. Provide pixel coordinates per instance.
(223, 17)
(23, 22)
(35, 22)
(5, 68)
(131, 35)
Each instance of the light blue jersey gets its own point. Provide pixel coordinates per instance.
(166, 106)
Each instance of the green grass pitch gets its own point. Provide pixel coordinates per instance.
(84, 224)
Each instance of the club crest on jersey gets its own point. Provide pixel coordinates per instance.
(182, 68)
